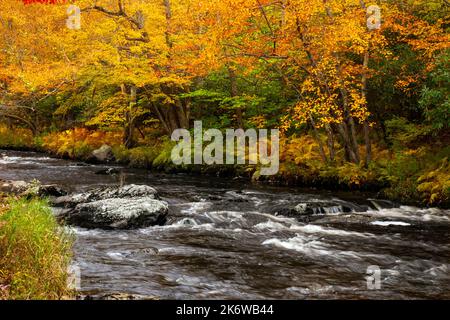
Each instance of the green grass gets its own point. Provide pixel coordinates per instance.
(34, 252)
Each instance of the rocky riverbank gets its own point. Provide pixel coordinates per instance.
(364, 181)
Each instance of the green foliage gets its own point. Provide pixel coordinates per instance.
(34, 252)
(435, 96)
(435, 185)
(121, 153)
(143, 157)
(164, 157)
(402, 133)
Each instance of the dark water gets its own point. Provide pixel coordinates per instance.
(222, 242)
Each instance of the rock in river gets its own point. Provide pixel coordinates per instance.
(128, 207)
(14, 187)
(31, 189)
(128, 191)
(118, 213)
(311, 211)
(102, 155)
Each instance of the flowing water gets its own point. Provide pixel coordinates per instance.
(223, 241)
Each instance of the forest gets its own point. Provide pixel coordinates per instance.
(358, 89)
(359, 105)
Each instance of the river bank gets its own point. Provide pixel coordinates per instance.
(416, 174)
(35, 252)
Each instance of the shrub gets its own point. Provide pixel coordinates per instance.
(165, 155)
(434, 186)
(142, 157)
(79, 142)
(17, 138)
(121, 153)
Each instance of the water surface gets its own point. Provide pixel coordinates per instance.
(222, 241)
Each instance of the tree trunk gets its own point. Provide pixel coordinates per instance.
(168, 9)
(349, 137)
(319, 142)
(128, 137)
(367, 140)
(330, 141)
(343, 132)
(234, 92)
(29, 124)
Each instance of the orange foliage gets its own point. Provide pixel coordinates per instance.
(79, 142)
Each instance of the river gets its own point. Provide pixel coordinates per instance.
(222, 241)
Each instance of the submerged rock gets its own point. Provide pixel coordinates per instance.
(118, 213)
(108, 171)
(380, 204)
(117, 296)
(311, 211)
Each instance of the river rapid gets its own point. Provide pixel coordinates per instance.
(223, 240)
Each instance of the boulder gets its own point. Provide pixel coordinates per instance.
(102, 155)
(128, 191)
(50, 191)
(118, 213)
(15, 187)
(127, 207)
(33, 188)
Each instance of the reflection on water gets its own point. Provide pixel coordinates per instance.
(223, 241)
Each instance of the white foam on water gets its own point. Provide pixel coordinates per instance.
(298, 243)
(84, 232)
(225, 216)
(412, 214)
(311, 290)
(115, 255)
(195, 207)
(24, 160)
(333, 210)
(313, 229)
(188, 281)
(182, 224)
(276, 218)
(313, 248)
(270, 225)
(390, 223)
(441, 270)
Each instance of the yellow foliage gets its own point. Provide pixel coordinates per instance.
(79, 142)
(15, 137)
(435, 185)
(303, 151)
